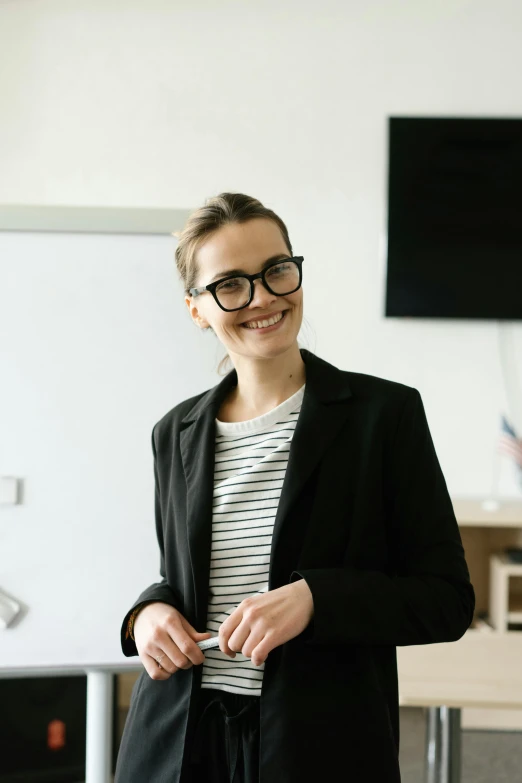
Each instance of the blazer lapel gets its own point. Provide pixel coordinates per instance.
(321, 416)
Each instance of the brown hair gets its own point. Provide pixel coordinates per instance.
(217, 211)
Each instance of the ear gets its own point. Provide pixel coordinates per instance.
(201, 322)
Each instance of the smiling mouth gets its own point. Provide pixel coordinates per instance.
(258, 328)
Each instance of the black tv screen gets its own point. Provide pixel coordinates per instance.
(454, 218)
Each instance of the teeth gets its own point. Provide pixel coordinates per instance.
(262, 324)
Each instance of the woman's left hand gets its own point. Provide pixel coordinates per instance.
(266, 620)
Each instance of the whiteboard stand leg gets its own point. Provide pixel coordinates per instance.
(99, 727)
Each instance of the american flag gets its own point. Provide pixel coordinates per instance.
(508, 443)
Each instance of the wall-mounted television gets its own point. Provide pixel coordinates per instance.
(454, 235)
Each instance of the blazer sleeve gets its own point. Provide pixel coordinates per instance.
(428, 597)
(159, 591)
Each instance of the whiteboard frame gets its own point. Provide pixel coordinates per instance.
(92, 220)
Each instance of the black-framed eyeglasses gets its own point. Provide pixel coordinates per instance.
(234, 292)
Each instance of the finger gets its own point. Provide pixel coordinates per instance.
(174, 657)
(154, 671)
(224, 635)
(182, 639)
(261, 650)
(166, 662)
(180, 653)
(168, 638)
(190, 628)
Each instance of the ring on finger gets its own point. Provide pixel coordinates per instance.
(159, 659)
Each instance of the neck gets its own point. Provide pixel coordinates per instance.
(265, 382)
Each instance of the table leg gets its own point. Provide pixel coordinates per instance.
(443, 745)
(99, 727)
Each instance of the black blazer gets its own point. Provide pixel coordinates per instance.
(365, 517)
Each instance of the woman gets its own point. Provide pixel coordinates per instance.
(302, 518)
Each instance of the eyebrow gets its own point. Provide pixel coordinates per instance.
(266, 263)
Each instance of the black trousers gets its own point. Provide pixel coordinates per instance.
(226, 740)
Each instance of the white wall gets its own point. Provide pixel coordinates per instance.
(164, 103)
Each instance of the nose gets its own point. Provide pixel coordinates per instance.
(262, 296)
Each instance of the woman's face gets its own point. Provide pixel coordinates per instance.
(246, 246)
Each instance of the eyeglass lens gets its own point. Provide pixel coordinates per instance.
(282, 278)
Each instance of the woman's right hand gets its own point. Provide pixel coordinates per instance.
(160, 630)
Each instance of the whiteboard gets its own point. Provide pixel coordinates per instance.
(96, 345)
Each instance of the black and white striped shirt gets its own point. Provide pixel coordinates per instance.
(250, 463)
